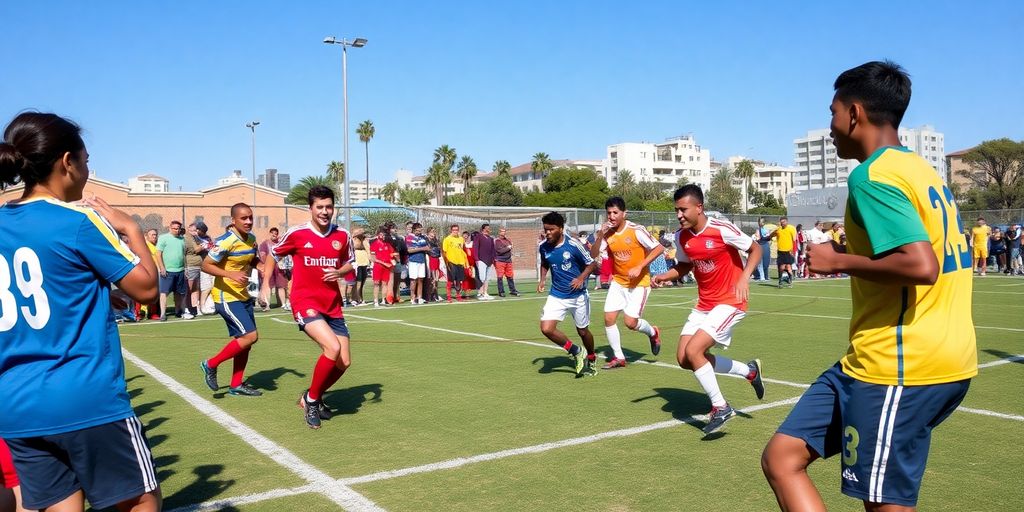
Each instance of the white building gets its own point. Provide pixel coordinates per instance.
(818, 165)
(235, 177)
(149, 183)
(770, 177)
(358, 192)
(663, 163)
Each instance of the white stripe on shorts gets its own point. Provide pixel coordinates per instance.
(888, 440)
(232, 317)
(883, 442)
(142, 453)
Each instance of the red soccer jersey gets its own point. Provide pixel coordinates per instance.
(383, 252)
(717, 265)
(312, 252)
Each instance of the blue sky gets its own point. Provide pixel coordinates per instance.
(167, 87)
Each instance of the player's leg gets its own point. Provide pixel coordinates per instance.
(332, 363)
(635, 302)
(481, 274)
(554, 312)
(784, 462)
(241, 323)
(614, 303)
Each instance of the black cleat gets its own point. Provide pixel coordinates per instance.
(210, 375)
(755, 381)
(717, 418)
(244, 390)
(325, 412)
(311, 410)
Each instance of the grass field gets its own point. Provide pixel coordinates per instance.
(466, 407)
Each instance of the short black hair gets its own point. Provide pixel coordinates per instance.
(274, 230)
(319, 192)
(484, 226)
(234, 209)
(615, 201)
(883, 87)
(689, 190)
(416, 225)
(553, 219)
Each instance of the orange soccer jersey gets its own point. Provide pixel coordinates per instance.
(627, 249)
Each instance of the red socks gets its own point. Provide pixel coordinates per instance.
(238, 367)
(336, 374)
(321, 374)
(229, 351)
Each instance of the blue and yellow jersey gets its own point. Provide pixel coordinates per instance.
(59, 347)
(232, 254)
(908, 335)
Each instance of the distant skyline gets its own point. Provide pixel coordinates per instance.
(166, 88)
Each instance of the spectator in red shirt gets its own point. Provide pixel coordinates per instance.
(503, 263)
(382, 258)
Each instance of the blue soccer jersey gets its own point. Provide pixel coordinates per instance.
(60, 353)
(417, 242)
(566, 262)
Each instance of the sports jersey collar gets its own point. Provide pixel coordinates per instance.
(706, 224)
(330, 229)
(564, 238)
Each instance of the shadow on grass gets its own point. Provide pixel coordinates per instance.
(205, 487)
(684, 404)
(349, 400)
(148, 407)
(1003, 355)
(560, 363)
(266, 380)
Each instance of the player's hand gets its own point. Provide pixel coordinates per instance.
(540, 287)
(657, 281)
(332, 274)
(119, 220)
(635, 272)
(742, 289)
(606, 229)
(578, 283)
(239, 277)
(822, 258)
(163, 272)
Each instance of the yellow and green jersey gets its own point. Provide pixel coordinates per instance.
(232, 253)
(908, 335)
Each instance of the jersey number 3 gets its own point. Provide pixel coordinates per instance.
(955, 254)
(29, 277)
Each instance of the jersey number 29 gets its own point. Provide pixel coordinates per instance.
(29, 277)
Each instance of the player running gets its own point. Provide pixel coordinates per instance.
(230, 262)
(631, 249)
(322, 254)
(711, 248)
(912, 346)
(570, 265)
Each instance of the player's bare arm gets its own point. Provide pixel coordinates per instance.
(742, 287)
(655, 253)
(543, 278)
(268, 270)
(909, 264)
(140, 282)
(581, 280)
(678, 270)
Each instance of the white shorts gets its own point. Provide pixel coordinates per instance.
(205, 281)
(718, 323)
(417, 270)
(630, 301)
(556, 308)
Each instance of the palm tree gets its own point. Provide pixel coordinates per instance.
(502, 167)
(300, 191)
(336, 173)
(445, 156)
(366, 131)
(624, 182)
(389, 191)
(745, 171)
(467, 171)
(541, 165)
(439, 178)
(409, 196)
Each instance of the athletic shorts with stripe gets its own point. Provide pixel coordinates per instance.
(238, 315)
(630, 301)
(110, 463)
(718, 323)
(556, 308)
(883, 432)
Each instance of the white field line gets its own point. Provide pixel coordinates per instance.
(245, 499)
(322, 483)
(1011, 359)
(783, 313)
(286, 322)
(204, 318)
(462, 461)
(1013, 284)
(993, 414)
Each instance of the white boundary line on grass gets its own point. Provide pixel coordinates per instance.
(1005, 360)
(321, 482)
(245, 499)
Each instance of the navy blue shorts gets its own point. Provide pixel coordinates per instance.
(238, 316)
(883, 432)
(173, 282)
(336, 324)
(110, 463)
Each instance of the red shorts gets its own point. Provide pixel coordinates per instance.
(8, 478)
(277, 279)
(381, 273)
(606, 270)
(503, 268)
(435, 263)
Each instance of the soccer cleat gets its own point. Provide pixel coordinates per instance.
(656, 340)
(580, 359)
(755, 381)
(589, 370)
(210, 376)
(244, 390)
(614, 363)
(311, 410)
(717, 418)
(325, 412)
(515, 294)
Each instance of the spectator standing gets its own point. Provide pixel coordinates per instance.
(205, 280)
(454, 253)
(152, 235)
(467, 244)
(276, 280)
(362, 264)
(764, 239)
(786, 235)
(503, 263)
(170, 251)
(418, 248)
(1013, 243)
(997, 247)
(382, 257)
(193, 262)
(435, 265)
(398, 271)
(483, 246)
(979, 239)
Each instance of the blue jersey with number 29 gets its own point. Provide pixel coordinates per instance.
(60, 353)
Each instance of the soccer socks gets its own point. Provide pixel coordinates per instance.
(229, 351)
(706, 377)
(512, 286)
(238, 367)
(321, 372)
(725, 365)
(614, 341)
(644, 327)
(335, 374)
(569, 348)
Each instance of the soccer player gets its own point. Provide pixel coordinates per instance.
(570, 265)
(230, 262)
(912, 345)
(65, 413)
(785, 236)
(631, 249)
(979, 239)
(322, 253)
(711, 248)
(382, 258)
(454, 253)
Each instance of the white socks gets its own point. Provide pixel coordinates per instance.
(644, 327)
(613, 340)
(706, 377)
(725, 365)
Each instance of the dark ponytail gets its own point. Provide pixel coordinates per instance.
(32, 143)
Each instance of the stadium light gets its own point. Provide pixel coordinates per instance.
(358, 42)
